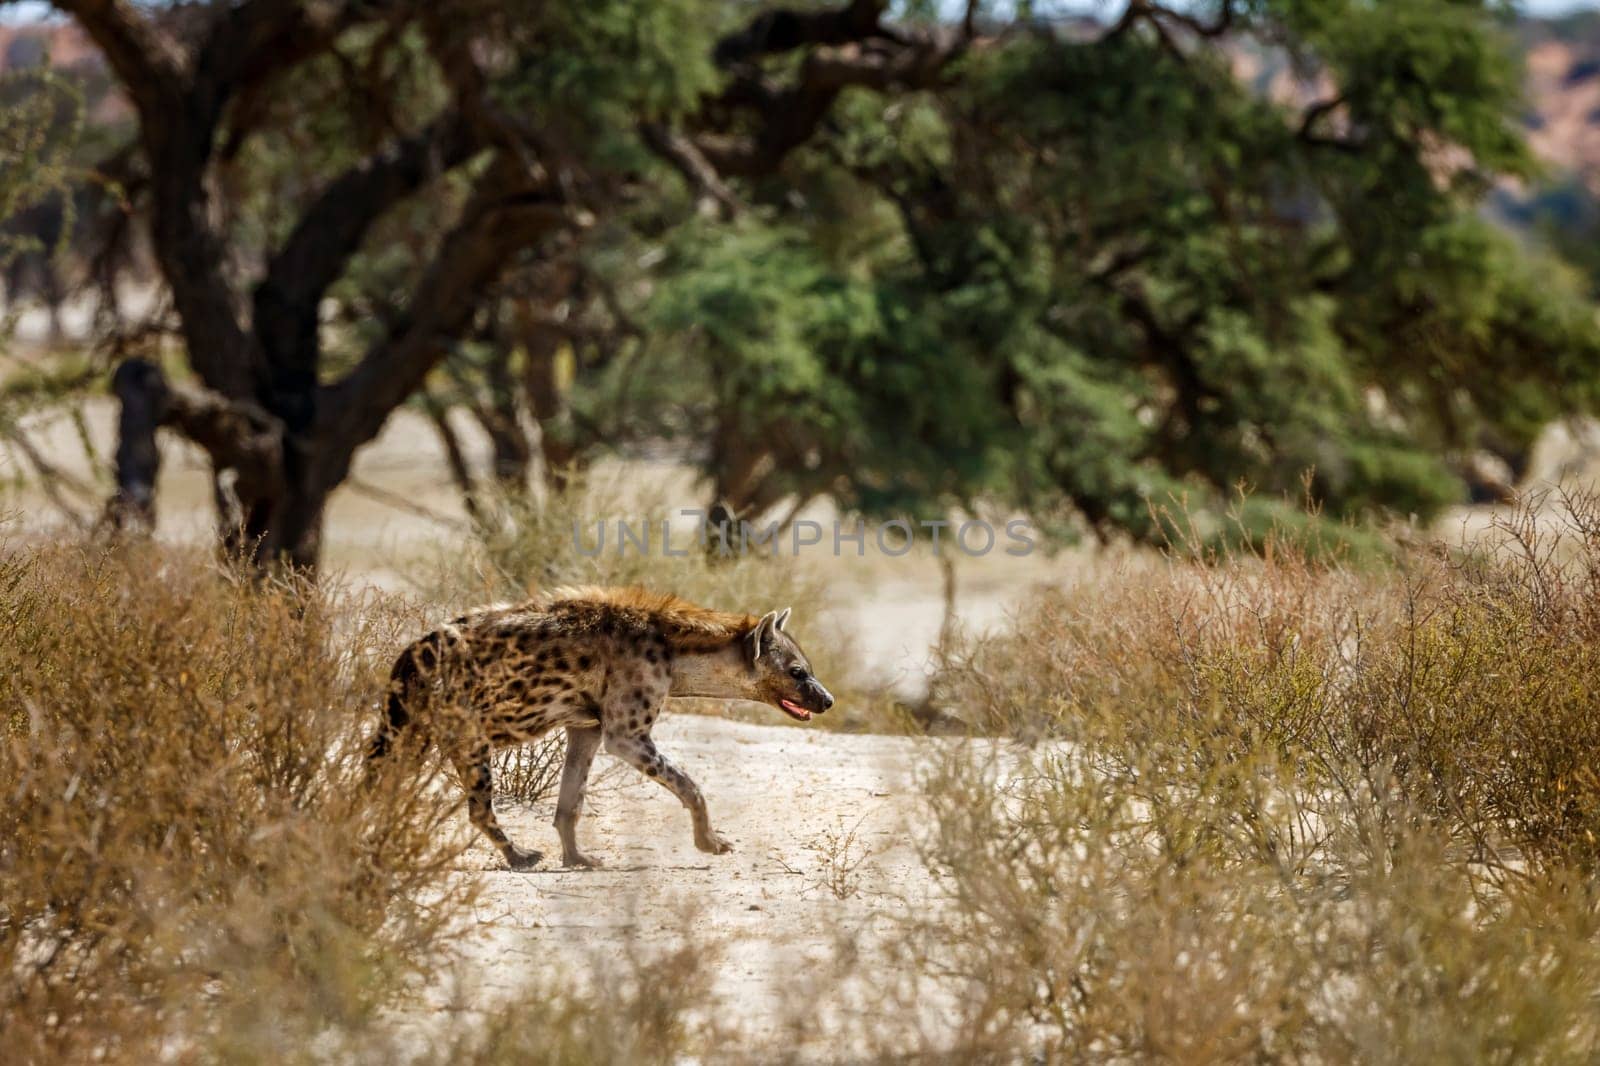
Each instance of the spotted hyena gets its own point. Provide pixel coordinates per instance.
(599, 663)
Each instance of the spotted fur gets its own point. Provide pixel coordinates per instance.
(599, 663)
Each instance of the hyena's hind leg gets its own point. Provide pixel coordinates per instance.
(472, 763)
(413, 670)
(582, 743)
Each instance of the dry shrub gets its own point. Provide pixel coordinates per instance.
(1468, 678)
(189, 862)
(531, 773)
(1111, 918)
(1281, 809)
(841, 854)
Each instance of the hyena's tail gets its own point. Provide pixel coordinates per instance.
(418, 660)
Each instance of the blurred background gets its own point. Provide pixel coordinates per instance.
(345, 283)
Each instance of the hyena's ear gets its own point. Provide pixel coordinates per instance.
(783, 616)
(761, 636)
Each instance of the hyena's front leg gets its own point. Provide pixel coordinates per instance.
(639, 751)
(472, 763)
(581, 747)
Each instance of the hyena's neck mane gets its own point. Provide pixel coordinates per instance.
(688, 627)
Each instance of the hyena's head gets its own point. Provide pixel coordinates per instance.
(783, 673)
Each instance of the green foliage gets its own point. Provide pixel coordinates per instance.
(1434, 69)
(1496, 340)
(594, 71)
(807, 358)
(1102, 274)
(1087, 272)
(41, 121)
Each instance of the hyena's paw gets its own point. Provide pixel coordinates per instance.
(579, 861)
(518, 859)
(714, 843)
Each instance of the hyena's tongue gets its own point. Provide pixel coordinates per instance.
(795, 710)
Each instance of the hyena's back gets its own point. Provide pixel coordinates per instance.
(519, 672)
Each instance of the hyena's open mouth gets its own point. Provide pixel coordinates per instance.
(795, 711)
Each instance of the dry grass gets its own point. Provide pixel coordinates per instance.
(530, 773)
(187, 857)
(1282, 810)
(529, 544)
(841, 854)
(194, 865)
(645, 1009)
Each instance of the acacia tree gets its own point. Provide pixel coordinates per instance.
(264, 411)
(901, 260)
(1102, 266)
(540, 106)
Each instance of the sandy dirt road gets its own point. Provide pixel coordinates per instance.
(777, 911)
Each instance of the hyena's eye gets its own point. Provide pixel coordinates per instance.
(797, 672)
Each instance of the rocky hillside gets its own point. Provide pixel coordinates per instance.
(1563, 119)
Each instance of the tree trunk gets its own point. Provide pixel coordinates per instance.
(142, 392)
(269, 503)
(281, 525)
(455, 456)
(294, 531)
(499, 412)
(746, 472)
(511, 452)
(542, 381)
(268, 508)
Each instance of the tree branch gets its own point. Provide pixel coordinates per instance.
(176, 132)
(790, 117)
(237, 436)
(689, 161)
(509, 211)
(1200, 29)
(51, 477)
(783, 30)
(180, 105)
(336, 221)
(257, 39)
(455, 456)
(1307, 133)
(329, 233)
(148, 61)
